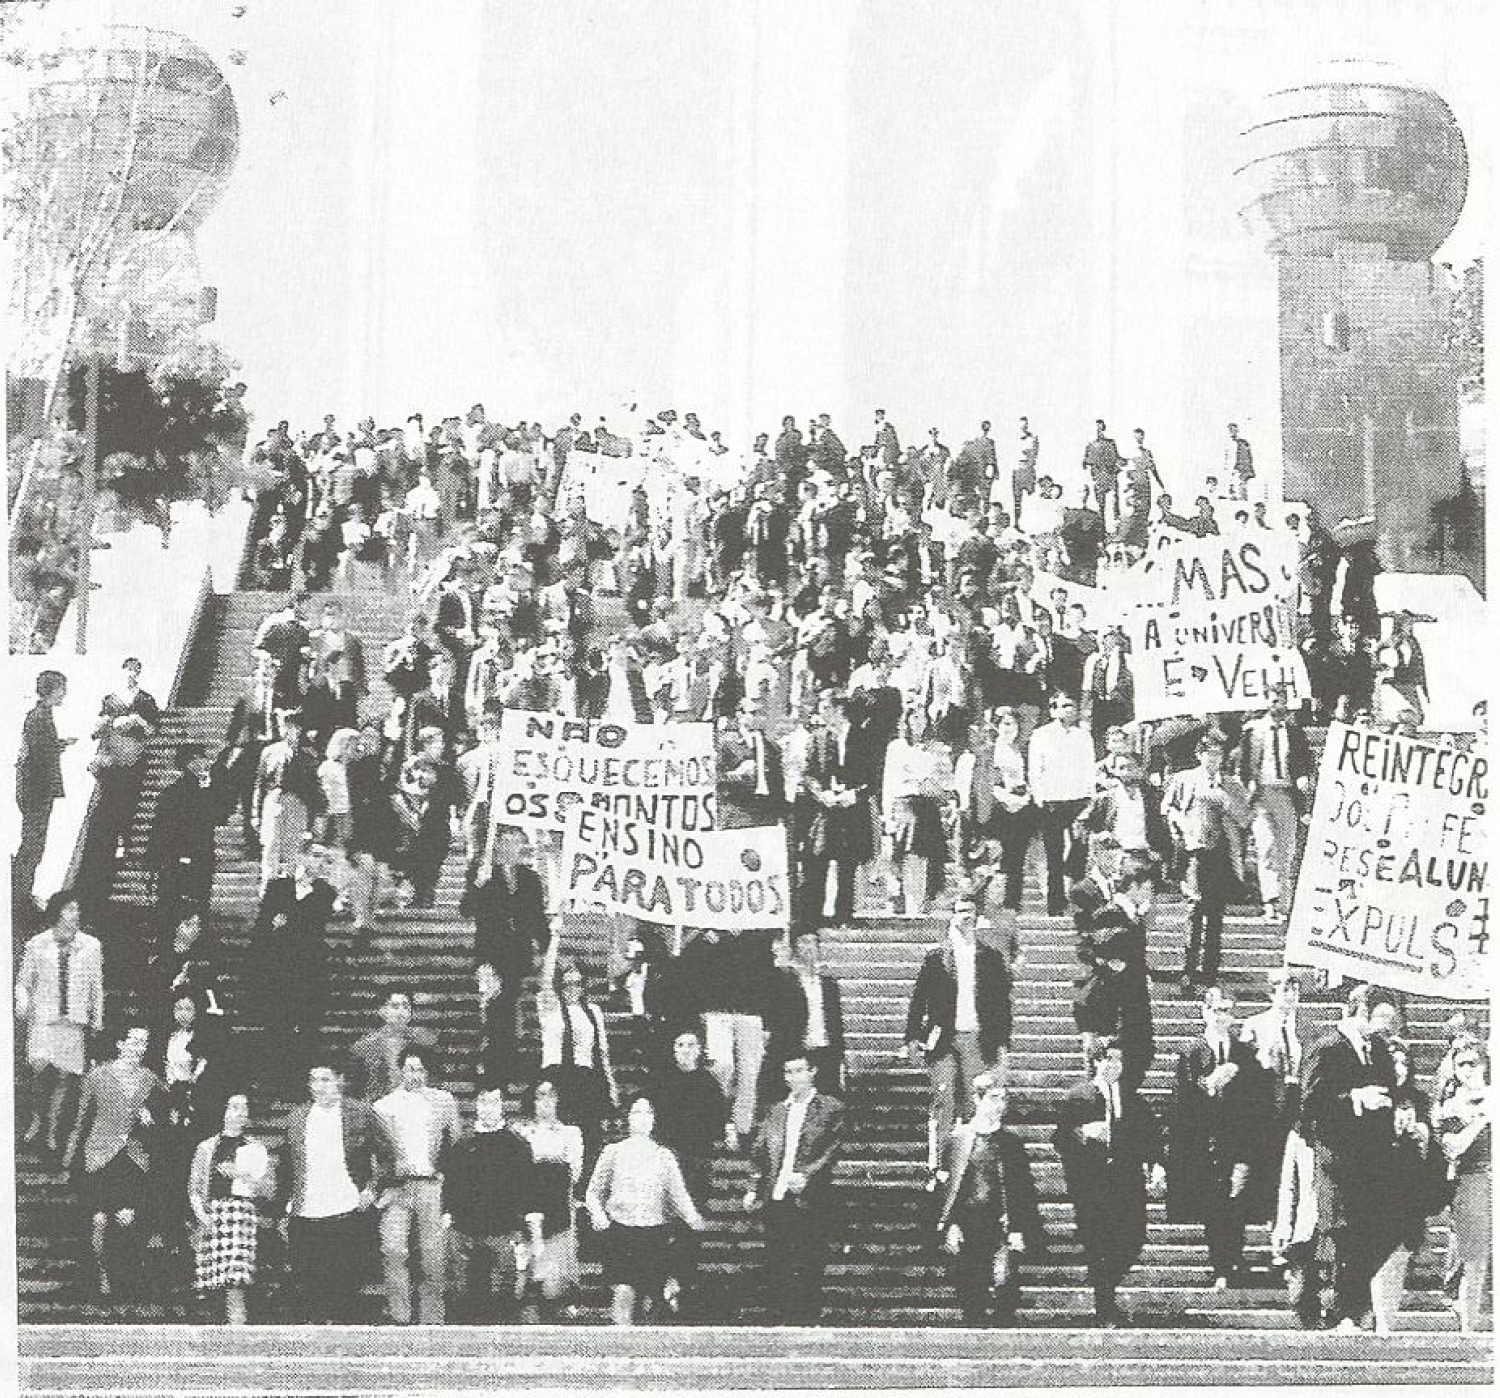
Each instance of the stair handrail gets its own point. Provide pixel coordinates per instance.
(190, 642)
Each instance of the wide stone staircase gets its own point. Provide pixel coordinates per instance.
(883, 1270)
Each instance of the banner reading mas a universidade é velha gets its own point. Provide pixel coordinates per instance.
(1394, 884)
(547, 765)
(724, 879)
(1211, 623)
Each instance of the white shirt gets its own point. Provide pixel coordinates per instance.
(179, 1058)
(1062, 763)
(817, 1022)
(796, 1114)
(1130, 818)
(966, 1013)
(328, 1190)
(409, 1116)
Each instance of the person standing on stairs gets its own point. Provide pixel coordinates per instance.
(288, 797)
(252, 729)
(1278, 1036)
(793, 1158)
(1217, 1120)
(335, 1163)
(1109, 1143)
(180, 849)
(959, 1019)
(377, 1056)
(422, 1123)
(107, 1150)
(60, 1000)
(336, 673)
(1112, 996)
(1208, 811)
(38, 784)
(989, 1223)
(1275, 766)
(283, 637)
(1061, 758)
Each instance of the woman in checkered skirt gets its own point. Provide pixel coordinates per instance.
(231, 1171)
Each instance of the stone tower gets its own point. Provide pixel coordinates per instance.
(1352, 181)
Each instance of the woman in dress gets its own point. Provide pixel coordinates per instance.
(636, 1188)
(557, 1150)
(919, 788)
(1463, 1126)
(231, 1172)
(1415, 1181)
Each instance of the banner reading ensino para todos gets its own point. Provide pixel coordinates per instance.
(662, 774)
(725, 879)
(1211, 624)
(1394, 886)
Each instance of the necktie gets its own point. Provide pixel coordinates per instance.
(1222, 1052)
(1286, 1046)
(1276, 752)
(1111, 1114)
(64, 955)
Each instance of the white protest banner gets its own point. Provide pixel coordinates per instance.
(1211, 623)
(725, 879)
(661, 773)
(1394, 885)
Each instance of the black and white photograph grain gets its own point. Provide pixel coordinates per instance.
(771, 695)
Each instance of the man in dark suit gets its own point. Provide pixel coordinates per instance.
(1215, 1125)
(1277, 1035)
(959, 1018)
(1102, 465)
(1275, 766)
(38, 783)
(807, 1014)
(336, 1162)
(793, 1159)
(968, 475)
(377, 1056)
(283, 637)
(750, 788)
(838, 831)
(456, 629)
(180, 850)
(1112, 993)
(989, 1220)
(1107, 1138)
(1347, 1118)
(505, 899)
(252, 728)
(337, 680)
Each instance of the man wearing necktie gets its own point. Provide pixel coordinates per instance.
(1275, 766)
(1215, 1126)
(1109, 1141)
(1347, 1119)
(1275, 1034)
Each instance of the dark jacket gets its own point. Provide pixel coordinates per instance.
(818, 1149)
(1210, 1133)
(788, 1019)
(1106, 1181)
(368, 1154)
(489, 1183)
(39, 762)
(934, 1002)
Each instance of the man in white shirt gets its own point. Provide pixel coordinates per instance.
(1062, 781)
(422, 1123)
(338, 1156)
(793, 1158)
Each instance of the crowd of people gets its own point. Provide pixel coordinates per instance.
(891, 683)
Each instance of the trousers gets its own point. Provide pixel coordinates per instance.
(736, 1046)
(412, 1221)
(1274, 826)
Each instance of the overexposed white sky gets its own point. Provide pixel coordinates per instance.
(950, 210)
